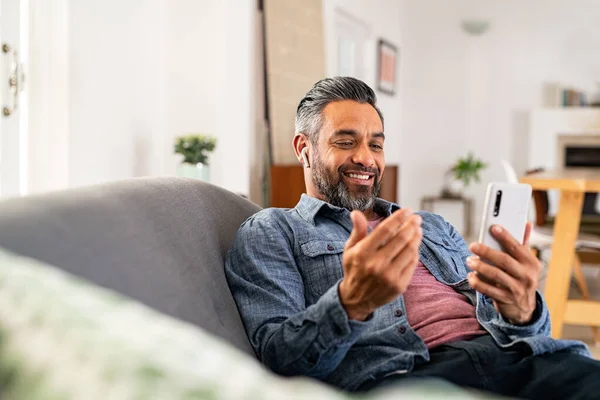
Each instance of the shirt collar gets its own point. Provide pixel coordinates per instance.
(308, 207)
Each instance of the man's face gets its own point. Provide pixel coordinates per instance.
(348, 159)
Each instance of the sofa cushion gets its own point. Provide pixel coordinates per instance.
(161, 241)
(64, 339)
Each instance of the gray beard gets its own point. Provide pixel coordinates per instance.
(337, 193)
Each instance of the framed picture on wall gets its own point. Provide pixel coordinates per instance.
(387, 59)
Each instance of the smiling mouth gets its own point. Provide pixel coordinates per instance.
(359, 178)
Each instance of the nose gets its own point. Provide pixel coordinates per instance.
(363, 156)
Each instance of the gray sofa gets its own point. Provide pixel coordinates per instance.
(161, 241)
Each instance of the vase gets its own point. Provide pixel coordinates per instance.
(453, 188)
(195, 171)
(457, 187)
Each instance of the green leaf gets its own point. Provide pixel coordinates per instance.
(467, 169)
(195, 148)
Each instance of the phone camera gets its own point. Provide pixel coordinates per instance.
(497, 203)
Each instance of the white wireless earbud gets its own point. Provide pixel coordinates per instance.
(305, 158)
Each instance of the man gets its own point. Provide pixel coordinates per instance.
(356, 292)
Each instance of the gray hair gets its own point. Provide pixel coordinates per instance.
(309, 115)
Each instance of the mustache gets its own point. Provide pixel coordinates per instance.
(357, 168)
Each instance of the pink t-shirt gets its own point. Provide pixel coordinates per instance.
(437, 312)
(372, 224)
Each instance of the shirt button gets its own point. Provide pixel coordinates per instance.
(398, 313)
(446, 242)
(402, 330)
(329, 247)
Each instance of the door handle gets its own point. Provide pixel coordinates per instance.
(15, 80)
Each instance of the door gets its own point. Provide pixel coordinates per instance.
(13, 110)
(351, 46)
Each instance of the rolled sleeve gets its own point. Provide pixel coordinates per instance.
(539, 324)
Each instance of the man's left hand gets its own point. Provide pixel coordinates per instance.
(513, 279)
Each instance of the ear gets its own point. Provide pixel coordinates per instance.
(301, 148)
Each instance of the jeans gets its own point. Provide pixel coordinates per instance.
(482, 365)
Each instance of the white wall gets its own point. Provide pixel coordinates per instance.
(463, 93)
(210, 82)
(145, 72)
(47, 90)
(382, 19)
(141, 74)
(116, 89)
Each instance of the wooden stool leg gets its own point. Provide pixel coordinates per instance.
(583, 287)
(580, 278)
(566, 230)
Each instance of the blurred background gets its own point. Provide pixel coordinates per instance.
(471, 90)
(105, 87)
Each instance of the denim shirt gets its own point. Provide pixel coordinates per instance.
(284, 270)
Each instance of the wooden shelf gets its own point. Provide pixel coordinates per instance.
(568, 110)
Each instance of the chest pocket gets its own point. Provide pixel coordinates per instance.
(320, 266)
(447, 252)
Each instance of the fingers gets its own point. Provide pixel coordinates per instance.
(496, 293)
(499, 259)
(388, 228)
(527, 235)
(388, 239)
(359, 228)
(400, 269)
(406, 275)
(409, 235)
(408, 255)
(492, 275)
(511, 245)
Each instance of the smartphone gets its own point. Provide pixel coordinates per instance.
(507, 205)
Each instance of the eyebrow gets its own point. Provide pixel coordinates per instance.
(352, 132)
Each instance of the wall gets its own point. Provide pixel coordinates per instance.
(295, 61)
(116, 89)
(145, 72)
(210, 58)
(463, 93)
(381, 19)
(259, 163)
(47, 87)
(148, 72)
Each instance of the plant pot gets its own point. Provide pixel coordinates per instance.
(453, 188)
(198, 171)
(456, 187)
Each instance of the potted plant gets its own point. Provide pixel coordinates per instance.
(195, 149)
(462, 174)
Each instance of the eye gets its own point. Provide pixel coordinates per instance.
(344, 144)
(376, 147)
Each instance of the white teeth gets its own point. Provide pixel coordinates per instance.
(363, 177)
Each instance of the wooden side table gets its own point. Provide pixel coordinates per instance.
(458, 211)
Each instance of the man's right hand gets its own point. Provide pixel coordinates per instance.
(378, 267)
